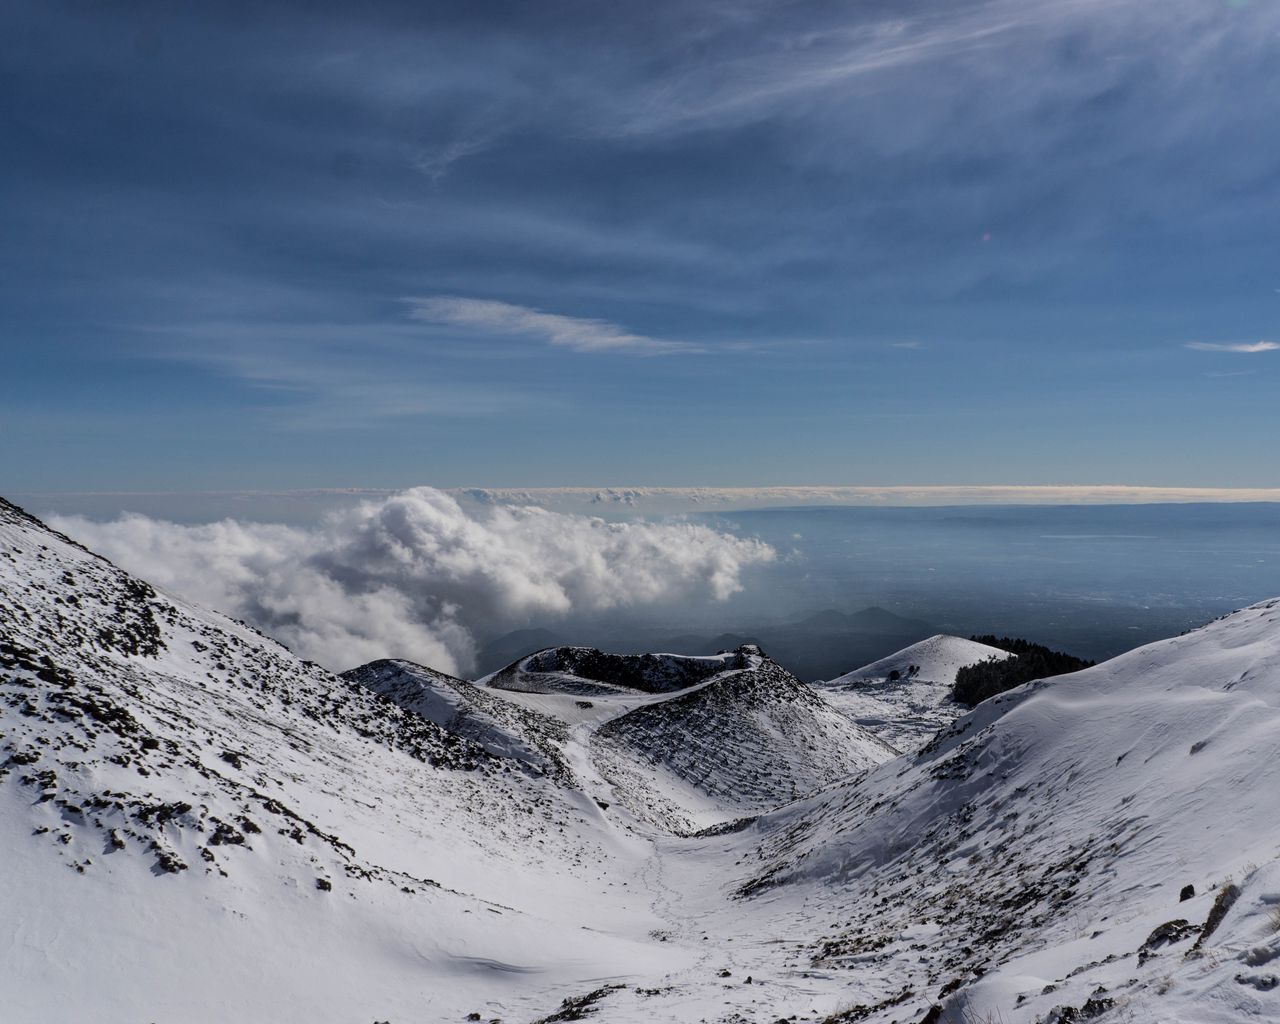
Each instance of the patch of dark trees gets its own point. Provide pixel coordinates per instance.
(975, 683)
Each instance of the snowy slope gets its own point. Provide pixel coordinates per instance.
(745, 741)
(171, 781)
(1046, 836)
(197, 826)
(662, 757)
(465, 710)
(908, 709)
(935, 660)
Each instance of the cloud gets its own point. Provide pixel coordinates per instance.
(416, 575)
(579, 334)
(791, 62)
(308, 507)
(1243, 346)
(318, 375)
(435, 164)
(626, 502)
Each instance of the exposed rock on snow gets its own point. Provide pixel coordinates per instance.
(197, 826)
(463, 709)
(586, 671)
(750, 739)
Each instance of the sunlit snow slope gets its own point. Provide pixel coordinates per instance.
(1044, 841)
(905, 698)
(197, 826)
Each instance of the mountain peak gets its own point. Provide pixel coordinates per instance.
(1053, 854)
(745, 740)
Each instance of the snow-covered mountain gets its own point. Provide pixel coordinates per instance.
(1045, 848)
(906, 697)
(747, 740)
(935, 660)
(198, 826)
(651, 741)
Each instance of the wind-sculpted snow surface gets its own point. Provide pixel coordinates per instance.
(197, 826)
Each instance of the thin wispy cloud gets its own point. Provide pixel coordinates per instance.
(801, 60)
(794, 187)
(1244, 347)
(650, 501)
(436, 164)
(746, 87)
(578, 334)
(323, 376)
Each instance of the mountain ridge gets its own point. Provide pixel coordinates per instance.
(670, 765)
(1101, 845)
(235, 798)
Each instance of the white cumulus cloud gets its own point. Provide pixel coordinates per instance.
(415, 575)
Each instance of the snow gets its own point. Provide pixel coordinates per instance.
(935, 660)
(670, 763)
(458, 880)
(907, 709)
(461, 708)
(1066, 814)
(499, 852)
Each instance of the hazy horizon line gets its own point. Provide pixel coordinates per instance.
(663, 498)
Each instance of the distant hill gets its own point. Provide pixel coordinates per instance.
(829, 642)
(818, 646)
(868, 620)
(935, 660)
(691, 643)
(586, 671)
(509, 647)
(906, 698)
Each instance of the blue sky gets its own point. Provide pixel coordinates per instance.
(282, 245)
